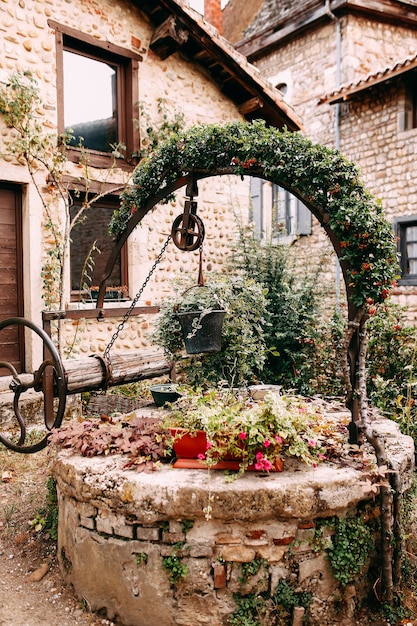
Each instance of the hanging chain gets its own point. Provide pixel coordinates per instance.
(128, 313)
(200, 266)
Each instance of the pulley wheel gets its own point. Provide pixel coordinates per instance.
(188, 236)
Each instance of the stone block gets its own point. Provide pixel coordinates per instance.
(240, 554)
(147, 534)
(104, 524)
(88, 522)
(123, 530)
(172, 537)
(277, 573)
(198, 552)
(85, 509)
(175, 527)
(227, 539)
(273, 554)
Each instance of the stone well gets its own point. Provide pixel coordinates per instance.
(139, 547)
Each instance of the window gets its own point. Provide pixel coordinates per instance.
(91, 230)
(406, 230)
(408, 118)
(277, 213)
(97, 95)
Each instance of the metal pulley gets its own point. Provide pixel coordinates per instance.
(188, 229)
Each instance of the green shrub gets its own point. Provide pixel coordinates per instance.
(243, 345)
(292, 304)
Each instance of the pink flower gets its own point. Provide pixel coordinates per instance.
(208, 445)
(263, 464)
(243, 435)
(314, 465)
(278, 438)
(321, 456)
(267, 443)
(259, 456)
(312, 443)
(201, 456)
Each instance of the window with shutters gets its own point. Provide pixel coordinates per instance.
(406, 230)
(276, 213)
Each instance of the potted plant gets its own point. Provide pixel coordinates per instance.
(223, 429)
(200, 314)
(242, 353)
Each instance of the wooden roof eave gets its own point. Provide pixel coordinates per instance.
(181, 32)
(343, 95)
(258, 44)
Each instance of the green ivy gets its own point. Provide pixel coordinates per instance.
(323, 178)
(351, 548)
(251, 568)
(174, 565)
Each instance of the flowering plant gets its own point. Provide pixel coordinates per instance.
(259, 434)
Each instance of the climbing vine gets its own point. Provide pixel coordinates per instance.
(321, 177)
(44, 154)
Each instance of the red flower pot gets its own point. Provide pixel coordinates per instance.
(188, 447)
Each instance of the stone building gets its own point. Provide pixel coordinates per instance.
(100, 66)
(349, 70)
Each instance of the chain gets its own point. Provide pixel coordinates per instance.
(128, 313)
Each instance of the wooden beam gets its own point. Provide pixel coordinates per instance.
(90, 374)
(254, 104)
(168, 37)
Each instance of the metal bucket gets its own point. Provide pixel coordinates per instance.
(202, 331)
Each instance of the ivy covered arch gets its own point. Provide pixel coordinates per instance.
(329, 185)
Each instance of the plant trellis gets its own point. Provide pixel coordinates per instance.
(322, 178)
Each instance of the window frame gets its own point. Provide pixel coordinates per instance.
(400, 226)
(127, 63)
(407, 103)
(108, 201)
(260, 213)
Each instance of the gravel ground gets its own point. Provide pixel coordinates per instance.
(31, 588)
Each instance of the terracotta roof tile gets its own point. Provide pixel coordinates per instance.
(348, 91)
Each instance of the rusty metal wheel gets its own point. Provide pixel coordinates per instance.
(49, 379)
(187, 232)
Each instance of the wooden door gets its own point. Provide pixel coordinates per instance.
(11, 289)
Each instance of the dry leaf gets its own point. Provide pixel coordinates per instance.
(6, 476)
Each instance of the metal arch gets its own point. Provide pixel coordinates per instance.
(44, 380)
(190, 179)
(187, 180)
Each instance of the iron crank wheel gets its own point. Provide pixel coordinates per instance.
(49, 379)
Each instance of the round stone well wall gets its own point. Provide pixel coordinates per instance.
(139, 546)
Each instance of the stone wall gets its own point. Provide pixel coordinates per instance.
(28, 43)
(141, 546)
(369, 133)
